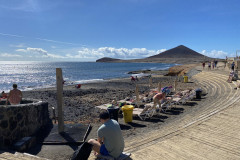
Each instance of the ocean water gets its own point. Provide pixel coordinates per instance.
(33, 75)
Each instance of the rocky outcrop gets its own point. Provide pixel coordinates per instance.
(107, 59)
(180, 70)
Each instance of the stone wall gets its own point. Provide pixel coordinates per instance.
(18, 121)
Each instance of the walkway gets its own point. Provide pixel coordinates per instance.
(18, 156)
(211, 133)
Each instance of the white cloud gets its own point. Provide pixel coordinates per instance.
(55, 56)
(122, 53)
(9, 55)
(34, 51)
(216, 54)
(91, 53)
(39, 52)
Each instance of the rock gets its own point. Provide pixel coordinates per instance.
(4, 124)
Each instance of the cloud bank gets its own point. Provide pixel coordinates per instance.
(216, 54)
(122, 53)
(39, 52)
(92, 54)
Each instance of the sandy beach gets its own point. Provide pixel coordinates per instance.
(80, 104)
(147, 138)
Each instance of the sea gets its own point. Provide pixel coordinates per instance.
(34, 75)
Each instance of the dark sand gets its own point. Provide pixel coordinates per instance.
(80, 107)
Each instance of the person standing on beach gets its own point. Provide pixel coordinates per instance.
(233, 65)
(110, 140)
(209, 65)
(15, 96)
(203, 65)
(225, 64)
(213, 65)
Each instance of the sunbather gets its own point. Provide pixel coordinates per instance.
(158, 99)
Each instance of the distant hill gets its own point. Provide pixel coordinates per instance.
(178, 52)
(107, 59)
(179, 55)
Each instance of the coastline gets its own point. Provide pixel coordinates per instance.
(101, 92)
(80, 106)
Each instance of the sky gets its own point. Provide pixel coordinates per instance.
(86, 30)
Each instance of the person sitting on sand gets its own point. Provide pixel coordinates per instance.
(15, 96)
(230, 78)
(110, 140)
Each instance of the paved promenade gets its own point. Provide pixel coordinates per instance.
(212, 133)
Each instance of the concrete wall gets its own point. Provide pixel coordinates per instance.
(18, 121)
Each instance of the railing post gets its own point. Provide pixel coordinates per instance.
(59, 99)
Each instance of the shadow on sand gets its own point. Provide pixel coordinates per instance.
(174, 111)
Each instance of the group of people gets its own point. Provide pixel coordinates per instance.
(14, 97)
(212, 64)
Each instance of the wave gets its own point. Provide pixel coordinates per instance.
(88, 81)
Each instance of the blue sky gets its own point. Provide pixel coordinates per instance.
(86, 30)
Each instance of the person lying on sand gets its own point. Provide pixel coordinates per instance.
(110, 140)
(15, 96)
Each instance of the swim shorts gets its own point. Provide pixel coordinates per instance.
(103, 150)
